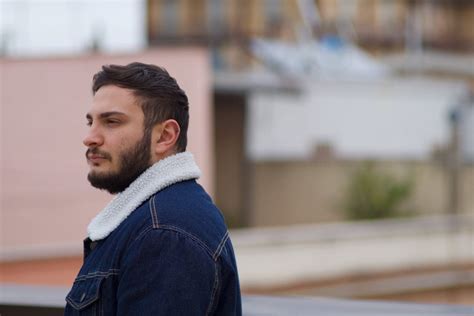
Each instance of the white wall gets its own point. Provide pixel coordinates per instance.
(393, 118)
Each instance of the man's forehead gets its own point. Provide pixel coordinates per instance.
(110, 93)
(112, 99)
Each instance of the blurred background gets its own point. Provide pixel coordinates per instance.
(336, 136)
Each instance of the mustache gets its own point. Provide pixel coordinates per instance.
(96, 151)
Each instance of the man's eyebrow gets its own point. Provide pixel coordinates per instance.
(105, 114)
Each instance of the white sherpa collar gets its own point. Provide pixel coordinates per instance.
(173, 169)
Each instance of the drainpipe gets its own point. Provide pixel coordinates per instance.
(454, 161)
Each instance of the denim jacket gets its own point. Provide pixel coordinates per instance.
(161, 247)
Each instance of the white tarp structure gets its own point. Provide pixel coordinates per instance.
(331, 57)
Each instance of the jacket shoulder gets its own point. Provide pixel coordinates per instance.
(187, 208)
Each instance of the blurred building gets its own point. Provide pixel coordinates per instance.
(378, 25)
(253, 111)
(28, 28)
(286, 154)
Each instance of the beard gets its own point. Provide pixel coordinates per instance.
(132, 163)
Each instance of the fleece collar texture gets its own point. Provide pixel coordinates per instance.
(173, 169)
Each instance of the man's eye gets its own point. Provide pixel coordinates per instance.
(112, 122)
(89, 123)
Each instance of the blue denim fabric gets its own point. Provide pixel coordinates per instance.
(171, 256)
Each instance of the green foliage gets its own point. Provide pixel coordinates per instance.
(376, 195)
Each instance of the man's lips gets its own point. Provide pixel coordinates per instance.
(95, 156)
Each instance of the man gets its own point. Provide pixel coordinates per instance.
(160, 247)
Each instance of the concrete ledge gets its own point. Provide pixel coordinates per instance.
(350, 230)
(460, 278)
(281, 256)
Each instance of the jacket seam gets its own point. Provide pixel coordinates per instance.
(153, 213)
(214, 289)
(186, 234)
(143, 232)
(189, 235)
(220, 246)
(79, 306)
(156, 225)
(97, 274)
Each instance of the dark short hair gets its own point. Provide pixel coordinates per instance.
(159, 94)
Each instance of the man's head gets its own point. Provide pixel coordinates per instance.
(139, 115)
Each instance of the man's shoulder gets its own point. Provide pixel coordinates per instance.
(187, 209)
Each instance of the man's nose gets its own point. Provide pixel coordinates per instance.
(93, 138)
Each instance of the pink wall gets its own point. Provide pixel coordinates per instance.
(46, 201)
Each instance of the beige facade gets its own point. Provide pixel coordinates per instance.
(46, 201)
(314, 191)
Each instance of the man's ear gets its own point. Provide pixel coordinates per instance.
(164, 137)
